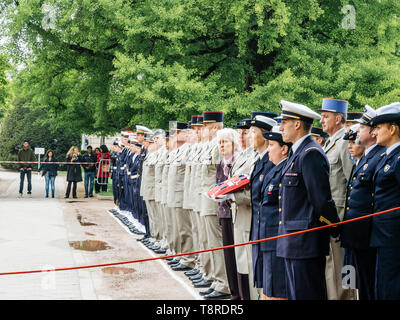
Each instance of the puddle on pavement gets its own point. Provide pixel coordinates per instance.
(73, 201)
(83, 221)
(89, 245)
(118, 270)
(89, 234)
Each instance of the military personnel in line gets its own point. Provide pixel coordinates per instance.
(305, 201)
(169, 222)
(202, 279)
(359, 202)
(158, 245)
(242, 212)
(114, 162)
(319, 136)
(160, 189)
(273, 277)
(213, 121)
(333, 118)
(194, 140)
(181, 219)
(121, 170)
(385, 235)
(147, 187)
(261, 123)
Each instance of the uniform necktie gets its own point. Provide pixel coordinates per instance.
(327, 143)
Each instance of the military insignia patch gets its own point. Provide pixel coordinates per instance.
(386, 169)
(262, 177)
(271, 187)
(365, 166)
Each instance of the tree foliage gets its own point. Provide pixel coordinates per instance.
(23, 121)
(83, 57)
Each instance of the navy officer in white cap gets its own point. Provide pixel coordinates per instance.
(385, 233)
(305, 201)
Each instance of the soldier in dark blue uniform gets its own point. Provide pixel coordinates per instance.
(359, 202)
(385, 233)
(121, 170)
(261, 123)
(141, 155)
(274, 279)
(114, 162)
(305, 202)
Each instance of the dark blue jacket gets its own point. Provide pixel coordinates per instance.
(261, 168)
(360, 201)
(306, 199)
(386, 227)
(45, 167)
(269, 215)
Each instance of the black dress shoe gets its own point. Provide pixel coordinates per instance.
(155, 248)
(181, 267)
(197, 280)
(196, 277)
(161, 250)
(203, 284)
(173, 261)
(206, 292)
(168, 259)
(215, 295)
(174, 265)
(192, 272)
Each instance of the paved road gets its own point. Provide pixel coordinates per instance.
(38, 233)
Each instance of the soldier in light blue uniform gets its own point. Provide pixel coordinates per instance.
(359, 202)
(385, 233)
(305, 201)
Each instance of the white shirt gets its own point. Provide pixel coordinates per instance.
(392, 147)
(297, 144)
(368, 150)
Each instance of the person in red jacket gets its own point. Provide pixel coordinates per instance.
(103, 167)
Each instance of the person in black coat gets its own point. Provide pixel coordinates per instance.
(49, 171)
(74, 173)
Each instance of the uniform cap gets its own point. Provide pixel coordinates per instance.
(263, 122)
(213, 116)
(296, 111)
(334, 105)
(352, 133)
(386, 114)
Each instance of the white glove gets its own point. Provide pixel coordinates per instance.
(225, 197)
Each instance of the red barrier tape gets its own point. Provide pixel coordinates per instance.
(206, 250)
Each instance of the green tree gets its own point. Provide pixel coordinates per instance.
(101, 65)
(22, 121)
(4, 86)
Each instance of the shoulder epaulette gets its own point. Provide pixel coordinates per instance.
(312, 148)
